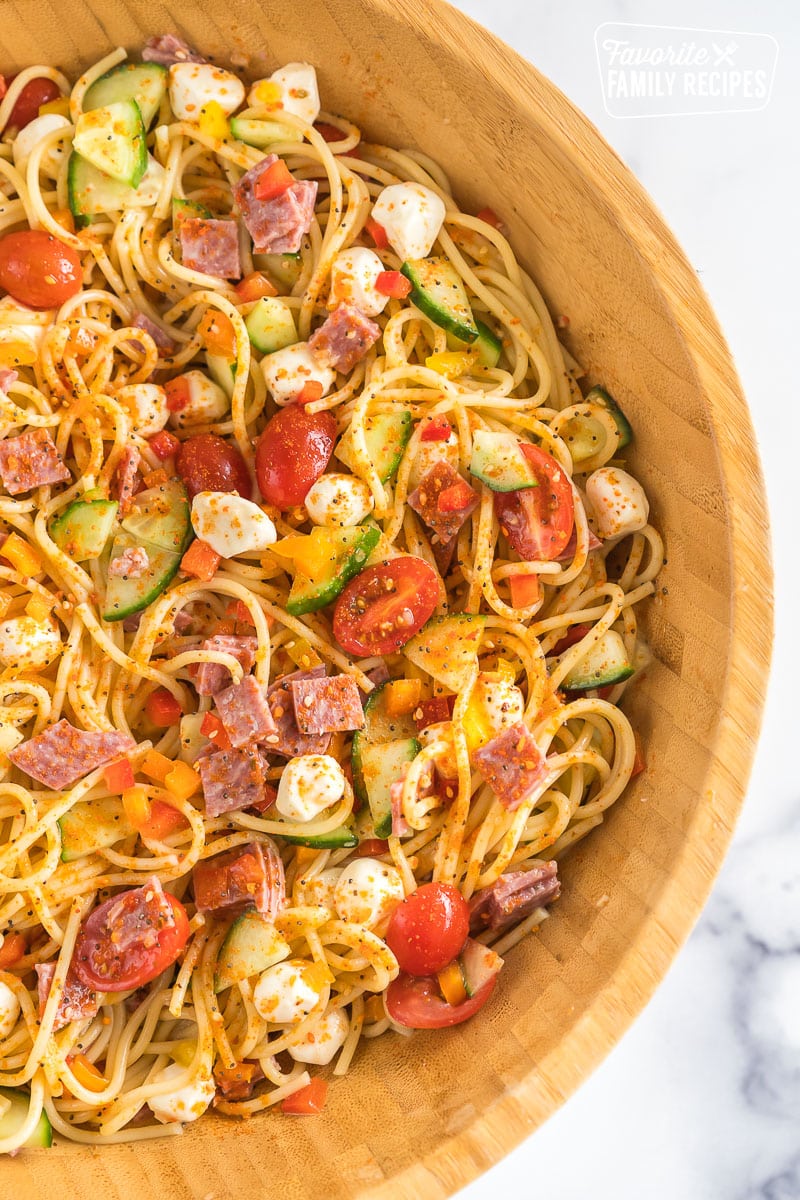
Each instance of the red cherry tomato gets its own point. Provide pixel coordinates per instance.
(385, 605)
(292, 452)
(308, 1100)
(429, 928)
(417, 1003)
(35, 93)
(538, 521)
(108, 965)
(206, 463)
(37, 269)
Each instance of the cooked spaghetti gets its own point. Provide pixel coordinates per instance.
(319, 589)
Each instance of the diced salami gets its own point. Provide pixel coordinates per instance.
(276, 226)
(77, 1002)
(245, 712)
(182, 624)
(164, 343)
(131, 564)
(238, 1082)
(437, 513)
(211, 246)
(443, 554)
(250, 876)
(232, 780)
(214, 677)
(31, 460)
(568, 553)
(168, 49)
(7, 378)
(378, 674)
(344, 338)
(511, 764)
(288, 741)
(63, 754)
(400, 826)
(328, 704)
(125, 478)
(514, 896)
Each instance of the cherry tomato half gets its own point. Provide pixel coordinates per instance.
(429, 928)
(538, 521)
(385, 605)
(119, 966)
(292, 452)
(417, 1003)
(37, 269)
(35, 93)
(206, 463)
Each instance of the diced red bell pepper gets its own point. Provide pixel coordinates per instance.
(576, 634)
(164, 445)
(253, 287)
(310, 391)
(438, 429)
(276, 180)
(238, 610)
(491, 218)
(177, 394)
(162, 709)
(14, 948)
(119, 776)
(269, 798)
(394, 284)
(430, 712)
(201, 561)
(372, 848)
(454, 498)
(377, 233)
(524, 590)
(329, 133)
(307, 1100)
(163, 820)
(211, 727)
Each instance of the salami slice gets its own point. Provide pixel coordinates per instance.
(63, 754)
(167, 49)
(288, 740)
(31, 460)
(213, 677)
(434, 500)
(164, 343)
(77, 1003)
(250, 876)
(514, 896)
(126, 477)
(211, 246)
(276, 226)
(344, 338)
(245, 712)
(512, 765)
(232, 780)
(328, 704)
(7, 377)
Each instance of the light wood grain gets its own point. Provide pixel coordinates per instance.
(421, 1119)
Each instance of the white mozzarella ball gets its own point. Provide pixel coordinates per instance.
(368, 891)
(429, 454)
(320, 889)
(299, 90)
(321, 1038)
(9, 1010)
(501, 701)
(205, 402)
(192, 85)
(284, 994)
(146, 405)
(412, 216)
(27, 138)
(27, 643)
(230, 524)
(287, 370)
(338, 501)
(28, 325)
(354, 273)
(186, 1103)
(618, 502)
(309, 784)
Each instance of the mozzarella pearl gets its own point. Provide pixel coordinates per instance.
(338, 501)
(618, 502)
(9, 1010)
(368, 891)
(412, 216)
(429, 454)
(320, 889)
(309, 784)
(287, 370)
(27, 643)
(500, 700)
(146, 405)
(299, 90)
(353, 276)
(321, 1038)
(283, 994)
(25, 141)
(32, 330)
(230, 524)
(191, 85)
(186, 1103)
(207, 402)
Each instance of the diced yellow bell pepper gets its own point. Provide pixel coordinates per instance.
(87, 1074)
(506, 670)
(304, 855)
(303, 654)
(156, 766)
(182, 781)
(183, 1051)
(451, 363)
(60, 106)
(213, 122)
(136, 804)
(374, 1010)
(17, 352)
(312, 553)
(451, 984)
(317, 974)
(38, 608)
(402, 696)
(476, 725)
(267, 94)
(21, 556)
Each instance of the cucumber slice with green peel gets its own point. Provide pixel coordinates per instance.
(252, 944)
(14, 1118)
(342, 838)
(160, 516)
(386, 436)
(283, 269)
(599, 395)
(223, 371)
(584, 435)
(92, 825)
(262, 133)
(126, 595)
(183, 209)
(114, 140)
(380, 764)
(447, 648)
(379, 728)
(352, 548)
(92, 192)
(270, 325)
(497, 460)
(606, 663)
(438, 292)
(487, 344)
(84, 527)
(146, 83)
(478, 964)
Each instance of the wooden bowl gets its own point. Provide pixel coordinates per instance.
(420, 1118)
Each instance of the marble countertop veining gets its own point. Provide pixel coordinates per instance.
(701, 1099)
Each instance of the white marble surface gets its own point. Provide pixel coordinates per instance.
(701, 1100)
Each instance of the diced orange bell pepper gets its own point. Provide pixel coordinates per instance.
(38, 608)
(402, 696)
(21, 556)
(136, 804)
(310, 391)
(86, 1073)
(316, 975)
(218, 334)
(201, 561)
(119, 776)
(156, 766)
(14, 948)
(524, 590)
(307, 1101)
(183, 781)
(253, 287)
(374, 1010)
(451, 984)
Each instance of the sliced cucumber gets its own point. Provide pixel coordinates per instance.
(379, 726)
(114, 140)
(146, 83)
(584, 434)
(380, 764)
(386, 436)
(223, 371)
(342, 838)
(438, 292)
(487, 344)
(270, 324)
(160, 516)
(606, 663)
(352, 548)
(447, 648)
(183, 209)
(91, 192)
(497, 460)
(126, 595)
(262, 133)
(252, 944)
(84, 527)
(14, 1118)
(92, 825)
(599, 395)
(478, 964)
(283, 269)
